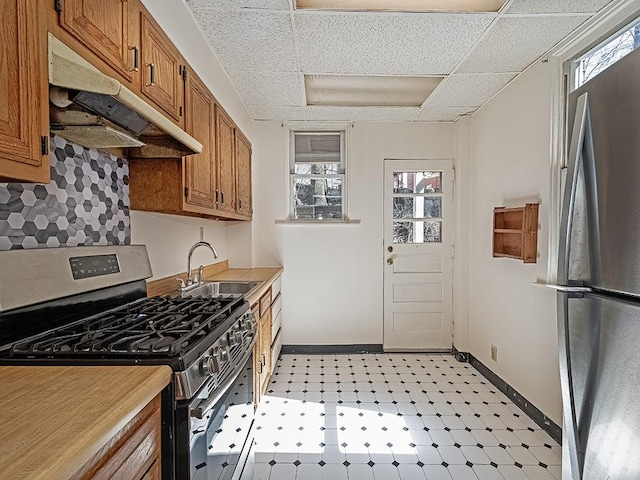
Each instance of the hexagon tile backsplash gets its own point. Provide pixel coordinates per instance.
(86, 203)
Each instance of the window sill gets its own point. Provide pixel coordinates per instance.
(316, 223)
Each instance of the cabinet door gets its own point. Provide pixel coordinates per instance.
(200, 168)
(265, 350)
(24, 117)
(243, 173)
(161, 80)
(103, 27)
(225, 159)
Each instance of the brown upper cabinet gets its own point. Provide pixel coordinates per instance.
(24, 107)
(200, 171)
(121, 39)
(162, 78)
(225, 144)
(214, 183)
(243, 175)
(104, 27)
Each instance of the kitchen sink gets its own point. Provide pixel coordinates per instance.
(209, 289)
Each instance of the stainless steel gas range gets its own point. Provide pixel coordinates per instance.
(88, 306)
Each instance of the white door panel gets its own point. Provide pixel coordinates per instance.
(417, 263)
(417, 321)
(418, 236)
(417, 292)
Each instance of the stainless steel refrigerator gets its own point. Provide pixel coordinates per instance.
(599, 279)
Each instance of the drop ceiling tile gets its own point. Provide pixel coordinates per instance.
(468, 90)
(361, 114)
(249, 40)
(556, 6)
(277, 113)
(363, 43)
(443, 114)
(266, 88)
(515, 42)
(240, 4)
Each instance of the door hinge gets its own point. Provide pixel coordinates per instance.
(57, 5)
(186, 192)
(180, 110)
(44, 145)
(454, 173)
(183, 72)
(453, 252)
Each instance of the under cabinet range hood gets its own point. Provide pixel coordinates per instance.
(97, 111)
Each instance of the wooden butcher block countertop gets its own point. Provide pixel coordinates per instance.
(266, 275)
(53, 420)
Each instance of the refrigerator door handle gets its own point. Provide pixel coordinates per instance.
(569, 197)
(570, 422)
(564, 288)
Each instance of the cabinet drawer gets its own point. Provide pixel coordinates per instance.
(276, 287)
(131, 456)
(275, 350)
(275, 325)
(276, 306)
(154, 472)
(265, 303)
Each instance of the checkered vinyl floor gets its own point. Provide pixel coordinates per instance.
(394, 417)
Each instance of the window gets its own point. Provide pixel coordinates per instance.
(317, 172)
(417, 207)
(606, 54)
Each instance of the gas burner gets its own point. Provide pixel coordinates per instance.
(158, 326)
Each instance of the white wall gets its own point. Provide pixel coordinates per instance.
(333, 274)
(510, 151)
(168, 238)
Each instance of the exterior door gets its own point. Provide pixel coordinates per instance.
(418, 246)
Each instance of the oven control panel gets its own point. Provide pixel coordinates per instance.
(93, 266)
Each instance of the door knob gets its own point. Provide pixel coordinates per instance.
(390, 261)
(390, 249)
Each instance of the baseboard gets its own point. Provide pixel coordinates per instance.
(331, 349)
(553, 429)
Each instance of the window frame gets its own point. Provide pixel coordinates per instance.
(294, 130)
(575, 61)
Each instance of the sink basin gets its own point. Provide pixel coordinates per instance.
(209, 289)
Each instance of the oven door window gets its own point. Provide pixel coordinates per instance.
(220, 442)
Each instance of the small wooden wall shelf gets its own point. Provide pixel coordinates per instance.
(515, 232)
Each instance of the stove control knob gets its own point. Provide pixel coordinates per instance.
(238, 337)
(232, 339)
(224, 354)
(210, 366)
(224, 341)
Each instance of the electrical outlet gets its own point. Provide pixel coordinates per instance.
(494, 353)
(202, 234)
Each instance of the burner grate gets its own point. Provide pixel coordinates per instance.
(158, 326)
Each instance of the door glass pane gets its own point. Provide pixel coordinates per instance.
(417, 207)
(417, 232)
(318, 199)
(417, 182)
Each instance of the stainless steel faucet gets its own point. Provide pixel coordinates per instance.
(198, 279)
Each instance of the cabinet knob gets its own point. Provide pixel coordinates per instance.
(389, 261)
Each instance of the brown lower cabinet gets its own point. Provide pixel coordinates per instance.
(262, 350)
(133, 453)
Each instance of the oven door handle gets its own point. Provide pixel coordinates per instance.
(205, 405)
